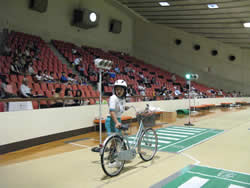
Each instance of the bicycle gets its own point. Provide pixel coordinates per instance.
(117, 149)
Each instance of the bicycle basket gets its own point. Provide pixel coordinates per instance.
(148, 121)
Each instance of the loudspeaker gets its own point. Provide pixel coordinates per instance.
(77, 16)
(39, 5)
(115, 26)
(85, 18)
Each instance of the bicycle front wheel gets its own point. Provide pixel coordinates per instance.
(109, 155)
(147, 146)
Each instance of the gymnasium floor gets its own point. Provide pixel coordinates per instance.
(70, 162)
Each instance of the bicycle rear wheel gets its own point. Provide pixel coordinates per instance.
(147, 146)
(109, 155)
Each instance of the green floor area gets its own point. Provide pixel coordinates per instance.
(177, 138)
(205, 177)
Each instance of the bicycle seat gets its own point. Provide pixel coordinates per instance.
(124, 127)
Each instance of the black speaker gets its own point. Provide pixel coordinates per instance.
(77, 16)
(115, 26)
(39, 5)
(85, 18)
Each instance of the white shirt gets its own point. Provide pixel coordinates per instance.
(25, 90)
(177, 92)
(77, 61)
(117, 105)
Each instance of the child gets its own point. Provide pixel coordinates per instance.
(116, 107)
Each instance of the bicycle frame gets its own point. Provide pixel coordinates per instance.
(136, 139)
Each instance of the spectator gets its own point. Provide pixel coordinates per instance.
(177, 93)
(81, 69)
(14, 68)
(91, 71)
(153, 81)
(117, 69)
(27, 52)
(70, 102)
(25, 91)
(30, 70)
(78, 102)
(6, 50)
(51, 77)
(77, 62)
(142, 90)
(45, 75)
(58, 102)
(6, 90)
(173, 78)
(39, 78)
(64, 78)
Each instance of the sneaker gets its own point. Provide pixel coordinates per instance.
(115, 164)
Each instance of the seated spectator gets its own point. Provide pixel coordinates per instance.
(117, 69)
(142, 89)
(75, 52)
(45, 75)
(70, 102)
(173, 78)
(220, 93)
(81, 69)
(70, 79)
(6, 90)
(25, 91)
(78, 102)
(131, 91)
(58, 102)
(30, 70)
(38, 78)
(64, 78)
(51, 77)
(153, 81)
(6, 50)
(91, 71)
(15, 69)
(177, 92)
(27, 52)
(77, 62)
(83, 81)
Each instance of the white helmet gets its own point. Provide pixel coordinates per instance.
(123, 84)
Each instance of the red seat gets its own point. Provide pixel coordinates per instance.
(44, 86)
(35, 105)
(1, 107)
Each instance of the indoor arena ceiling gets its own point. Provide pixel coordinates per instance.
(224, 23)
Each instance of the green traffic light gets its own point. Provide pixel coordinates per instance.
(188, 76)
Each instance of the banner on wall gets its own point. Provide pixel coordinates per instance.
(20, 106)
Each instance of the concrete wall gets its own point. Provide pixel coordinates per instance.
(24, 125)
(155, 44)
(55, 23)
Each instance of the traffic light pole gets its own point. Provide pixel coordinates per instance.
(189, 104)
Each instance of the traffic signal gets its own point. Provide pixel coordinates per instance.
(191, 76)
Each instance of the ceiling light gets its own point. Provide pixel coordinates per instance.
(247, 24)
(213, 6)
(164, 4)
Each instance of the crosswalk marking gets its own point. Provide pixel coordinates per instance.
(235, 186)
(160, 137)
(193, 131)
(194, 182)
(175, 139)
(166, 131)
(159, 141)
(188, 128)
(174, 135)
(143, 144)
